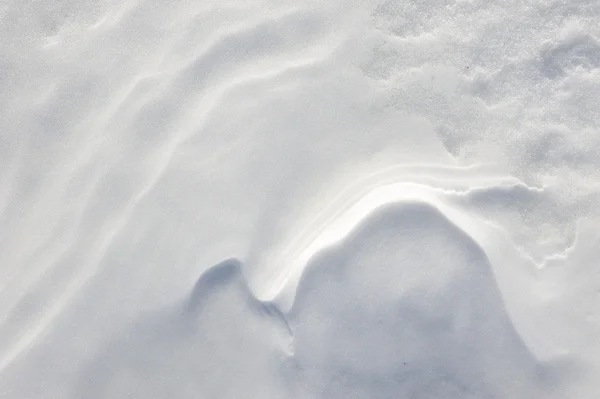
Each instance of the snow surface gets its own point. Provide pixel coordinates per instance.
(317, 199)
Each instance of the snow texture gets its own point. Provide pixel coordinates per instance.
(264, 199)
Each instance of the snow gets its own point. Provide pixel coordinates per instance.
(332, 199)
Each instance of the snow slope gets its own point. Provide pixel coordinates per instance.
(323, 199)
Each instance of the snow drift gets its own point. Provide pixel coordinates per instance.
(326, 199)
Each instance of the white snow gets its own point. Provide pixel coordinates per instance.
(318, 199)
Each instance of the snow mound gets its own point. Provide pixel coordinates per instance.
(195, 349)
(405, 305)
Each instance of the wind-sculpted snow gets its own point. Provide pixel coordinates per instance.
(405, 305)
(389, 180)
(437, 184)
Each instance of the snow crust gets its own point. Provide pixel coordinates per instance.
(327, 199)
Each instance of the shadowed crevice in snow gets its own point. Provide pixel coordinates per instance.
(228, 275)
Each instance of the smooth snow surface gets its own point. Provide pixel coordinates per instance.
(318, 199)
